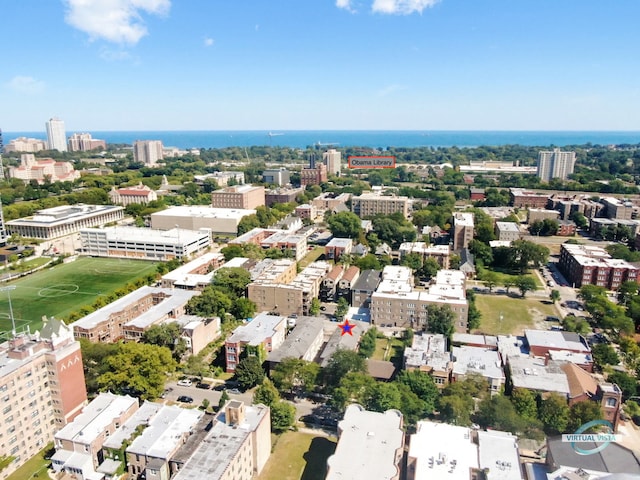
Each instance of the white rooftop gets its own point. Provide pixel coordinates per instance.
(370, 445)
(203, 211)
(477, 360)
(508, 227)
(257, 330)
(175, 236)
(183, 275)
(498, 453)
(533, 374)
(463, 219)
(142, 416)
(557, 340)
(428, 349)
(442, 451)
(340, 242)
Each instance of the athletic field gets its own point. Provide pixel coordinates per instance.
(65, 288)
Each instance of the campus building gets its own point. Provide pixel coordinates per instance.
(333, 160)
(57, 222)
(590, 265)
(278, 176)
(195, 275)
(522, 198)
(135, 194)
(222, 179)
(313, 175)
(26, 145)
(281, 195)
(292, 246)
(43, 169)
(507, 231)
(83, 142)
(329, 200)
(42, 389)
(130, 316)
(197, 217)
(143, 243)
(244, 197)
(370, 445)
(370, 204)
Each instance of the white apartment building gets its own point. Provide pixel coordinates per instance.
(56, 135)
(507, 231)
(147, 152)
(555, 164)
(27, 145)
(333, 159)
(83, 142)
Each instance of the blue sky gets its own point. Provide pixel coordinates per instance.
(321, 64)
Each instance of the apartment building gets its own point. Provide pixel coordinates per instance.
(338, 247)
(619, 209)
(428, 353)
(333, 160)
(329, 200)
(522, 198)
(42, 388)
(478, 361)
(129, 316)
(83, 142)
(289, 244)
(307, 211)
(144, 243)
(265, 332)
(566, 228)
(589, 265)
(196, 274)
(507, 231)
(303, 342)
(440, 253)
(148, 152)
(274, 290)
(245, 197)
(330, 283)
(199, 217)
(463, 229)
(380, 445)
(57, 222)
(26, 145)
(222, 179)
(396, 302)
(364, 288)
(135, 194)
(43, 169)
(313, 175)
(56, 135)
(540, 214)
(79, 443)
(347, 282)
(282, 195)
(277, 176)
(555, 164)
(370, 204)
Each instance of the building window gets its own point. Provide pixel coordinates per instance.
(611, 402)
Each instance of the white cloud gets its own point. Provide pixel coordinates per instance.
(346, 5)
(401, 7)
(208, 41)
(114, 55)
(117, 21)
(23, 84)
(389, 89)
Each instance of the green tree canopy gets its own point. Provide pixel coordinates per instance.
(553, 412)
(283, 416)
(440, 319)
(232, 281)
(266, 394)
(340, 364)
(249, 372)
(295, 376)
(525, 283)
(345, 225)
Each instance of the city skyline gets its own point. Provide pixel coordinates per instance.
(331, 64)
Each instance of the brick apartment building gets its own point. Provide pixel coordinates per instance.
(522, 198)
(265, 332)
(245, 197)
(42, 388)
(370, 204)
(314, 176)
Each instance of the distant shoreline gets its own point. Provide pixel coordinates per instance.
(380, 139)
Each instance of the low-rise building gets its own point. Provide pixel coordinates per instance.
(330, 200)
(538, 375)
(303, 342)
(308, 211)
(276, 176)
(43, 169)
(616, 208)
(507, 231)
(330, 283)
(440, 253)
(222, 179)
(347, 282)
(197, 332)
(475, 340)
(57, 222)
(144, 243)
(197, 217)
(292, 245)
(135, 194)
(364, 287)
(370, 204)
(264, 333)
(338, 341)
(522, 198)
(428, 353)
(378, 439)
(316, 175)
(590, 265)
(566, 228)
(195, 275)
(543, 343)
(481, 361)
(540, 214)
(246, 197)
(130, 316)
(282, 195)
(338, 247)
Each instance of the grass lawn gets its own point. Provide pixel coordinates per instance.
(36, 467)
(62, 289)
(298, 456)
(390, 349)
(312, 256)
(517, 313)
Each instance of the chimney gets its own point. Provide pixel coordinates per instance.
(234, 413)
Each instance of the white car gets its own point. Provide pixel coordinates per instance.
(185, 383)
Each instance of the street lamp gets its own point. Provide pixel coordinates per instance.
(13, 322)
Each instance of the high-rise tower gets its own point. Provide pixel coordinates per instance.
(332, 159)
(56, 135)
(3, 231)
(555, 164)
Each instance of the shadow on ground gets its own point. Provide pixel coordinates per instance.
(316, 457)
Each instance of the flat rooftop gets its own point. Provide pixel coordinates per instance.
(508, 227)
(340, 242)
(463, 219)
(50, 217)
(533, 374)
(257, 330)
(299, 340)
(498, 453)
(557, 340)
(201, 211)
(175, 236)
(142, 416)
(368, 280)
(369, 445)
(484, 361)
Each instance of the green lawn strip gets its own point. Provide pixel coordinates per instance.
(508, 315)
(65, 288)
(312, 256)
(381, 349)
(298, 455)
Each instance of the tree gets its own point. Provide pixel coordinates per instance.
(430, 268)
(340, 364)
(490, 279)
(481, 251)
(249, 372)
(137, 368)
(266, 394)
(525, 284)
(524, 401)
(627, 383)
(498, 412)
(232, 281)
(604, 354)
(422, 385)
(283, 416)
(554, 413)
(580, 325)
(440, 319)
(583, 412)
(295, 375)
(345, 225)
(314, 308)
(224, 398)
(342, 308)
(627, 292)
(368, 342)
(412, 260)
(509, 284)
(382, 397)
(210, 303)
(243, 308)
(248, 222)
(554, 296)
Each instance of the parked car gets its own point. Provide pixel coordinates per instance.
(185, 382)
(203, 385)
(185, 399)
(234, 391)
